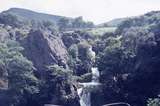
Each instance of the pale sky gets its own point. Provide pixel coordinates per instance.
(98, 11)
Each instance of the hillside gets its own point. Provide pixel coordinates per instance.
(25, 15)
(147, 21)
(31, 17)
(113, 23)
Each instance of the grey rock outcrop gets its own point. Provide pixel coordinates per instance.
(70, 38)
(44, 49)
(3, 34)
(3, 78)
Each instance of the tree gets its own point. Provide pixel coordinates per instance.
(10, 19)
(78, 22)
(154, 102)
(73, 51)
(89, 25)
(21, 79)
(63, 23)
(57, 87)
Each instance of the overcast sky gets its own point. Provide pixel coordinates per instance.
(98, 11)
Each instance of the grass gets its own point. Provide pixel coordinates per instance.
(101, 31)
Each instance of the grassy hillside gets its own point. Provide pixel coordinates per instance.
(101, 31)
(113, 23)
(24, 14)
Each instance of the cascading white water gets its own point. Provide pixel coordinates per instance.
(84, 97)
(95, 74)
(84, 91)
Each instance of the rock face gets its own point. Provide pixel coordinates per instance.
(3, 78)
(44, 49)
(70, 38)
(3, 72)
(3, 34)
(66, 95)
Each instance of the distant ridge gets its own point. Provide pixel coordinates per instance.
(25, 14)
(113, 23)
(117, 21)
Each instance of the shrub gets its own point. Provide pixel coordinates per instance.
(154, 102)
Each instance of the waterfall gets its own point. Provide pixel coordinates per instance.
(95, 74)
(84, 97)
(84, 91)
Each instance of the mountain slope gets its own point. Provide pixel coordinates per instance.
(24, 14)
(17, 17)
(113, 23)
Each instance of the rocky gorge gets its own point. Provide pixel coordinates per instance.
(40, 64)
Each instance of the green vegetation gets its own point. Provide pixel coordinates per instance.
(65, 24)
(21, 80)
(101, 31)
(80, 60)
(154, 102)
(128, 60)
(127, 56)
(9, 19)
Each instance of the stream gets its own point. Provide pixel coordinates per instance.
(84, 92)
